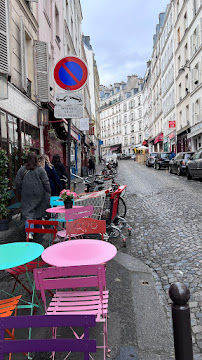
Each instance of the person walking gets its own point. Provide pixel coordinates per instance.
(90, 166)
(60, 169)
(33, 186)
(55, 183)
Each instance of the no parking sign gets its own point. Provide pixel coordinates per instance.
(71, 73)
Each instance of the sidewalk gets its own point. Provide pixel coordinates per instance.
(137, 325)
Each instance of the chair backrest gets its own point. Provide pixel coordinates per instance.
(84, 345)
(86, 226)
(71, 277)
(78, 212)
(56, 201)
(7, 306)
(51, 230)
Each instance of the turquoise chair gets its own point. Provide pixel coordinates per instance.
(56, 201)
(13, 207)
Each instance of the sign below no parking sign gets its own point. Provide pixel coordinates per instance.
(71, 73)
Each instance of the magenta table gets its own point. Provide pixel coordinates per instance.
(79, 252)
(59, 209)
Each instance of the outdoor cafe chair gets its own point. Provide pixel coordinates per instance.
(51, 229)
(86, 227)
(57, 201)
(78, 345)
(7, 308)
(69, 300)
(73, 214)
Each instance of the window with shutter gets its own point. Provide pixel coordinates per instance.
(42, 73)
(4, 62)
(23, 55)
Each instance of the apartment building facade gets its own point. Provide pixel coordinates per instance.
(176, 80)
(121, 116)
(34, 37)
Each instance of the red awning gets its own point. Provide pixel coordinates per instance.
(114, 148)
(158, 138)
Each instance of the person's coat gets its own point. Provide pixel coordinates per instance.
(60, 169)
(54, 180)
(34, 188)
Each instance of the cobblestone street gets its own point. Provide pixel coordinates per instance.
(166, 213)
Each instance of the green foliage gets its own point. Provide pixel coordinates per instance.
(4, 188)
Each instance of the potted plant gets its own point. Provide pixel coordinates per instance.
(4, 191)
(52, 134)
(68, 197)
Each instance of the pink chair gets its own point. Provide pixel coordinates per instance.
(75, 213)
(72, 301)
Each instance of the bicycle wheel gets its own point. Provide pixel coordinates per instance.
(122, 208)
(113, 233)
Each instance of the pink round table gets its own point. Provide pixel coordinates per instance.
(59, 209)
(79, 252)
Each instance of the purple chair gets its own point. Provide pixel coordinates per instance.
(84, 345)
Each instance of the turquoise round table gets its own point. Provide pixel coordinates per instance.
(18, 253)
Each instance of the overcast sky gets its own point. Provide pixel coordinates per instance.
(121, 33)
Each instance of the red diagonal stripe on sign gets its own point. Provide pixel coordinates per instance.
(70, 73)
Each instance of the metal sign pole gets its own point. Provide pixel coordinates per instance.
(69, 153)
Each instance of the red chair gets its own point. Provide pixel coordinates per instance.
(52, 230)
(86, 226)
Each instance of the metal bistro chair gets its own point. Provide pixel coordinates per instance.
(85, 227)
(72, 301)
(84, 345)
(7, 308)
(73, 214)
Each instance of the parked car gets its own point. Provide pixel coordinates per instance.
(125, 157)
(151, 159)
(194, 165)
(178, 163)
(162, 160)
(133, 157)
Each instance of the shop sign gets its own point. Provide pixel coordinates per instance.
(172, 124)
(171, 136)
(84, 124)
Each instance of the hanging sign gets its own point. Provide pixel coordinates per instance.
(172, 124)
(84, 124)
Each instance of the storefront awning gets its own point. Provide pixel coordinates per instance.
(158, 138)
(115, 147)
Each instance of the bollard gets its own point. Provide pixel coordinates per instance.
(179, 294)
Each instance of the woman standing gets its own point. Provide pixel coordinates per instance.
(60, 169)
(55, 183)
(33, 185)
